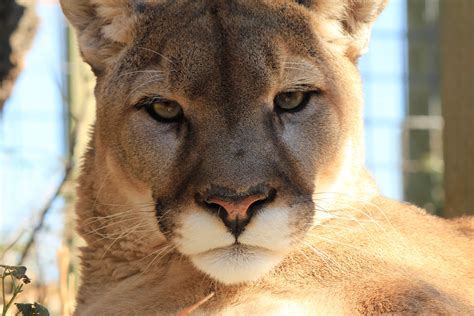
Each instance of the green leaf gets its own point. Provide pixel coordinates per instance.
(32, 309)
(25, 309)
(19, 272)
(40, 310)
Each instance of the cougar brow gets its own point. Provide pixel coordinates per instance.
(301, 73)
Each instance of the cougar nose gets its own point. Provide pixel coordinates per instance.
(236, 210)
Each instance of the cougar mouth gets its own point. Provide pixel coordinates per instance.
(231, 259)
(237, 263)
(236, 249)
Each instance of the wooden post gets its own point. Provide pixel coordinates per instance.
(457, 69)
(81, 109)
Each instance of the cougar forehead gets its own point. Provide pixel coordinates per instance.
(225, 52)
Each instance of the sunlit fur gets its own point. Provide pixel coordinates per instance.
(326, 243)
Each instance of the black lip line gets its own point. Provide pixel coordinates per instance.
(227, 248)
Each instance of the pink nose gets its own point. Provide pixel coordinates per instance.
(238, 209)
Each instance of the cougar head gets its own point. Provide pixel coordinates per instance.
(229, 115)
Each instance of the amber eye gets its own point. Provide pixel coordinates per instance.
(164, 110)
(291, 101)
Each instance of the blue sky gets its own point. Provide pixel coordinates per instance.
(32, 133)
(384, 73)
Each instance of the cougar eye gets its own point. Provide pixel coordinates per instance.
(291, 101)
(163, 110)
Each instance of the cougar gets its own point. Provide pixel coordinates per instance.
(225, 173)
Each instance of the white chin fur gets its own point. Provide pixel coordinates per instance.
(212, 249)
(201, 232)
(237, 264)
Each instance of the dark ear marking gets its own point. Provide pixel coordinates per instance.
(140, 7)
(306, 3)
(143, 6)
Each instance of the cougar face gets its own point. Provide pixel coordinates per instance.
(231, 114)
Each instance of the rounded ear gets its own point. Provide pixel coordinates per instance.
(346, 23)
(104, 28)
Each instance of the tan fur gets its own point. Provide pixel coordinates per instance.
(327, 244)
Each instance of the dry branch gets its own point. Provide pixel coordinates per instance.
(44, 211)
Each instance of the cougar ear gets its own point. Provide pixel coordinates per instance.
(104, 28)
(347, 23)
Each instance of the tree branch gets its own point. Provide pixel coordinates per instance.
(46, 208)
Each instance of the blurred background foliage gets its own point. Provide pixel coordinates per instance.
(418, 85)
